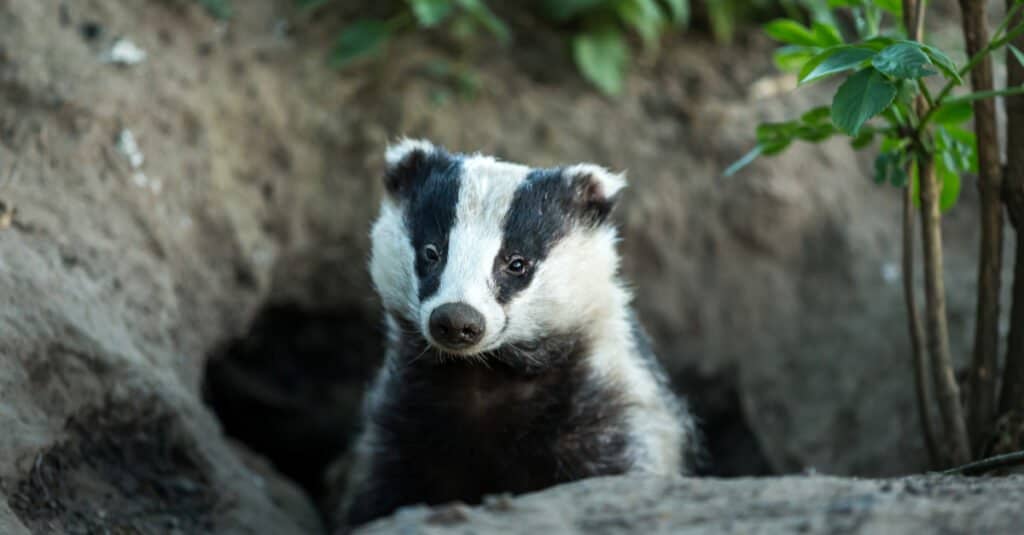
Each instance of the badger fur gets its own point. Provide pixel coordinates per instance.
(514, 361)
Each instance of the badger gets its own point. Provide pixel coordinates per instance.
(513, 359)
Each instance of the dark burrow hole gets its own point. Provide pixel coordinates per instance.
(732, 449)
(290, 389)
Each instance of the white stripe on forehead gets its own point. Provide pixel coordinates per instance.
(486, 190)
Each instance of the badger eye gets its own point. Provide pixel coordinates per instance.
(516, 266)
(430, 253)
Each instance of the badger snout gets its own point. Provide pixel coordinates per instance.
(456, 325)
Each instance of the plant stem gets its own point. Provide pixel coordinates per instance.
(913, 15)
(981, 403)
(925, 93)
(871, 16)
(918, 29)
(937, 329)
(921, 378)
(1012, 397)
(983, 95)
(987, 465)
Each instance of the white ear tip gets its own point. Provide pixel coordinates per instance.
(397, 151)
(611, 183)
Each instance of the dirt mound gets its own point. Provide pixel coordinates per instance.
(813, 505)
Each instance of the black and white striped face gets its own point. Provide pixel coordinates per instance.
(479, 254)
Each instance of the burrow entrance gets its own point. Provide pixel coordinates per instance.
(291, 388)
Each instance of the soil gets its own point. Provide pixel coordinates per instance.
(123, 468)
(184, 337)
(812, 505)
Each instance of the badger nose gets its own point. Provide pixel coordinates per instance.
(456, 325)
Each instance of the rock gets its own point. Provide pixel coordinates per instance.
(126, 52)
(811, 505)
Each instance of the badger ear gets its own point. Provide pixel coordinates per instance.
(595, 190)
(406, 162)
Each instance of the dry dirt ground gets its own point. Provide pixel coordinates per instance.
(811, 505)
(225, 268)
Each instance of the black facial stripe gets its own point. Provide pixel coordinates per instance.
(430, 215)
(539, 216)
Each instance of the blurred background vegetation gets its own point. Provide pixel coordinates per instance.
(603, 36)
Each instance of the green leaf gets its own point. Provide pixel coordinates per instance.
(894, 144)
(968, 143)
(894, 116)
(826, 34)
(430, 12)
(722, 18)
(889, 168)
(1016, 53)
(906, 92)
(792, 32)
(958, 156)
(773, 138)
(863, 139)
(601, 55)
(645, 17)
(487, 18)
(942, 61)
(793, 58)
(564, 10)
(860, 98)
(775, 148)
(815, 125)
(744, 161)
(362, 38)
(814, 132)
(679, 11)
(952, 113)
(903, 60)
(834, 60)
(817, 115)
(899, 177)
(949, 185)
(878, 43)
(768, 133)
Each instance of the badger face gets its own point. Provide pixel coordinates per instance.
(474, 254)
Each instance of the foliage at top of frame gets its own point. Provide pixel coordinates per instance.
(600, 32)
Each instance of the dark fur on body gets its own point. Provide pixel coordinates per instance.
(457, 430)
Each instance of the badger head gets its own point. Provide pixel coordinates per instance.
(474, 254)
